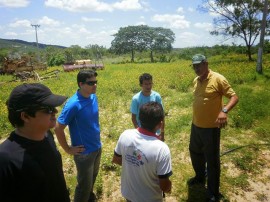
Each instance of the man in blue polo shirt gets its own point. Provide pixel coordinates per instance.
(80, 114)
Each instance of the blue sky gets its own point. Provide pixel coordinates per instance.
(85, 22)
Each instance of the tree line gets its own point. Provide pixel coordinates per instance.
(240, 19)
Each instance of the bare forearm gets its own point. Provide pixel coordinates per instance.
(134, 121)
(233, 101)
(117, 160)
(162, 133)
(61, 137)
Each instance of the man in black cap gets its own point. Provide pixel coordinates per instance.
(30, 164)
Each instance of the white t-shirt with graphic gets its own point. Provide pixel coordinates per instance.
(144, 159)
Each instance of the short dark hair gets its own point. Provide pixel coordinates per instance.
(83, 75)
(14, 116)
(145, 76)
(151, 113)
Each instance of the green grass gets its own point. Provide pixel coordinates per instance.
(248, 122)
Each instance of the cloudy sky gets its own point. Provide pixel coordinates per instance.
(85, 22)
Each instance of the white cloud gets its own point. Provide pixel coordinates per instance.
(180, 10)
(20, 23)
(174, 21)
(79, 5)
(186, 39)
(187, 36)
(14, 3)
(83, 30)
(11, 34)
(140, 23)
(48, 21)
(204, 25)
(128, 5)
(191, 9)
(85, 19)
(93, 5)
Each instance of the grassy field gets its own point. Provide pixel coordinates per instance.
(245, 160)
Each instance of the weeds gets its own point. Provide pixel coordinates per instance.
(248, 122)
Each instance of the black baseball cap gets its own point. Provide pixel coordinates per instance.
(27, 95)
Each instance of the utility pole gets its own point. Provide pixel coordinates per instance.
(36, 26)
(260, 51)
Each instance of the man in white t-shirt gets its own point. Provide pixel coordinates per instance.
(145, 160)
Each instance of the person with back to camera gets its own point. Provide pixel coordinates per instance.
(209, 116)
(30, 164)
(145, 160)
(81, 115)
(142, 97)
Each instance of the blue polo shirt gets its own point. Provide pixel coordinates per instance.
(82, 117)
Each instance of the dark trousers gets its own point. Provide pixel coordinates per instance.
(204, 150)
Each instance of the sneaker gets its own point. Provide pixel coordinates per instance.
(196, 181)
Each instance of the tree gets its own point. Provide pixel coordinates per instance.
(76, 52)
(237, 19)
(159, 39)
(95, 51)
(125, 41)
(141, 38)
(260, 51)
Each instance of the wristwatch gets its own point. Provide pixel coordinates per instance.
(225, 110)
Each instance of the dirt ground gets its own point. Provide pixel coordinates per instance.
(259, 188)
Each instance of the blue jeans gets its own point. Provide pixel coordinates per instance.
(87, 171)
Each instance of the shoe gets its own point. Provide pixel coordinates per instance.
(92, 197)
(196, 181)
(214, 198)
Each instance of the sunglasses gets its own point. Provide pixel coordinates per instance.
(90, 83)
(45, 109)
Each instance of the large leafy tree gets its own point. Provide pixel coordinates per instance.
(141, 38)
(237, 19)
(158, 39)
(126, 41)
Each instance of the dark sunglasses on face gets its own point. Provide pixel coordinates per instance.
(45, 109)
(90, 83)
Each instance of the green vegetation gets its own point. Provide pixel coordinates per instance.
(248, 121)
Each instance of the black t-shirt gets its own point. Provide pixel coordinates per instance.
(31, 171)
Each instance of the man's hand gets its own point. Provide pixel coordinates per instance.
(75, 150)
(222, 120)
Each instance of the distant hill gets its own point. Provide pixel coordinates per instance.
(24, 45)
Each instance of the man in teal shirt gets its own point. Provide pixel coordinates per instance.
(144, 96)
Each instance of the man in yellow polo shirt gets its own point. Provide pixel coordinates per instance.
(209, 116)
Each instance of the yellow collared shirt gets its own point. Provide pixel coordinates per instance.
(208, 102)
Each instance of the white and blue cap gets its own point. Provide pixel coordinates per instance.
(198, 58)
